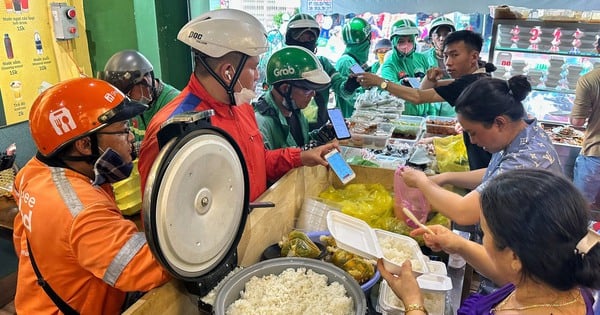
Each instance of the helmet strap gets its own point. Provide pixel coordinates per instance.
(236, 75)
(288, 103)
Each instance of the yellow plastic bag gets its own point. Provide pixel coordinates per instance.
(451, 154)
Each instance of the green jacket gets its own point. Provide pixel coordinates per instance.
(140, 122)
(353, 54)
(442, 108)
(396, 67)
(322, 97)
(273, 126)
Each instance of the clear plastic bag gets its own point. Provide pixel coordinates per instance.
(410, 198)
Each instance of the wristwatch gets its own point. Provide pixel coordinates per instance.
(384, 84)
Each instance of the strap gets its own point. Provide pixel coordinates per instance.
(62, 305)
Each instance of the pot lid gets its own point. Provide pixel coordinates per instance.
(196, 202)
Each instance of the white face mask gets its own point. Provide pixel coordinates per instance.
(245, 96)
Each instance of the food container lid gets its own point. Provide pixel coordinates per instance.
(353, 235)
(434, 282)
(196, 200)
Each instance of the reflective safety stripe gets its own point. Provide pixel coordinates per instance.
(66, 191)
(124, 256)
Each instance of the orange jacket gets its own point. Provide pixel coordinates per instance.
(238, 121)
(84, 248)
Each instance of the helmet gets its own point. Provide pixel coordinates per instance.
(356, 31)
(404, 27)
(218, 32)
(294, 63)
(125, 69)
(300, 23)
(383, 43)
(75, 108)
(440, 21)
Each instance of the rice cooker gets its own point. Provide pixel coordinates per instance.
(195, 209)
(196, 201)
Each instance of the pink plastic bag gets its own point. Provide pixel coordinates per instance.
(410, 198)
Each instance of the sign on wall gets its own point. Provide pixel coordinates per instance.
(27, 60)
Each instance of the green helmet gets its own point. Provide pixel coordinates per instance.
(356, 31)
(440, 21)
(404, 27)
(295, 63)
(300, 23)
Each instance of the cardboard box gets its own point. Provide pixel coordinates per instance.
(265, 226)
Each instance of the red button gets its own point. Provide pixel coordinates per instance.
(71, 13)
(72, 30)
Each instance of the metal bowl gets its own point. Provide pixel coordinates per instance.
(230, 292)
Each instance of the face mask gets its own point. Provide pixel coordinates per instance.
(245, 96)
(110, 168)
(380, 57)
(406, 47)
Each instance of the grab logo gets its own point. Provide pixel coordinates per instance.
(285, 71)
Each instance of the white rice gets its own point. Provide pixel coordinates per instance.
(397, 252)
(299, 291)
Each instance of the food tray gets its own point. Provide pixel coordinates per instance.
(438, 125)
(419, 265)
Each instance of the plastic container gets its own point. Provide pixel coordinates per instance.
(232, 287)
(408, 127)
(313, 215)
(435, 300)
(376, 140)
(438, 125)
(354, 235)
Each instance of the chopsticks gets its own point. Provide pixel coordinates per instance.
(411, 216)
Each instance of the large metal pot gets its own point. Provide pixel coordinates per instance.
(232, 287)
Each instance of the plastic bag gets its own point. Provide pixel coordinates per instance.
(410, 198)
(451, 154)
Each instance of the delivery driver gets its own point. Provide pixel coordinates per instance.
(68, 221)
(227, 44)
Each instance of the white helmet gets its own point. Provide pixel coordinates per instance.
(218, 32)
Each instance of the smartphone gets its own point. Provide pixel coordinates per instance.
(339, 124)
(339, 166)
(356, 69)
(414, 82)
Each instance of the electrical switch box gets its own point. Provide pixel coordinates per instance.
(65, 21)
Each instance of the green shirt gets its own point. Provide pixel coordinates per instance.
(396, 67)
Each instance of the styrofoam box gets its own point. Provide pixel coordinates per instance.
(435, 301)
(356, 236)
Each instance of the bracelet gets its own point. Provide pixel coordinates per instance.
(415, 307)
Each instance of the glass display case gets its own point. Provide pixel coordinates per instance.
(552, 54)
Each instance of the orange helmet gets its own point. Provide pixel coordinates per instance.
(75, 108)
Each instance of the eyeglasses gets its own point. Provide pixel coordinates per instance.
(304, 90)
(125, 132)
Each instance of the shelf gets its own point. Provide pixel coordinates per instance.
(542, 52)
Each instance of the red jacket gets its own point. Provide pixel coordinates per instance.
(238, 121)
(89, 254)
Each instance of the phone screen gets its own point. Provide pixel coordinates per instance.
(339, 124)
(339, 166)
(414, 82)
(356, 69)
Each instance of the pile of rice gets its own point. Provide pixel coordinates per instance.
(397, 252)
(299, 291)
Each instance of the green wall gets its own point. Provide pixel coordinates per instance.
(150, 27)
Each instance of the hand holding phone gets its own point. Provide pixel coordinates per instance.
(339, 166)
(414, 82)
(339, 124)
(357, 69)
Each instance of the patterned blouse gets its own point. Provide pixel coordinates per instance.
(532, 148)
